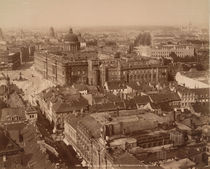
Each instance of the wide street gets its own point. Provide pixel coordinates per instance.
(32, 83)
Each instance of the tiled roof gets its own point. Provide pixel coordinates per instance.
(93, 126)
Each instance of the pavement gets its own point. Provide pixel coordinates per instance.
(32, 83)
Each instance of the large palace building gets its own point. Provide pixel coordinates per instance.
(66, 66)
(72, 65)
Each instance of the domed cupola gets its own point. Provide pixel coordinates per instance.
(71, 37)
(71, 42)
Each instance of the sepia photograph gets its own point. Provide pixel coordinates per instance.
(104, 84)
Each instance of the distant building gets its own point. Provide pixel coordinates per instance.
(165, 51)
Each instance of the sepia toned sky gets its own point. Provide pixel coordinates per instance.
(102, 12)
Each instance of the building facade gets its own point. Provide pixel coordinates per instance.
(180, 51)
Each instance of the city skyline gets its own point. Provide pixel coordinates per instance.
(28, 13)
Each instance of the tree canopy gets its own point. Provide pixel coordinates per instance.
(143, 39)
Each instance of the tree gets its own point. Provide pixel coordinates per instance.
(174, 56)
(143, 39)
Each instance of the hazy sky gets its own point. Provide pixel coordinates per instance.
(20, 13)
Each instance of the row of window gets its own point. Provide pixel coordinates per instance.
(146, 71)
(145, 76)
(82, 72)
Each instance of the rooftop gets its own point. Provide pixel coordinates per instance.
(202, 76)
(90, 123)
(144, 117)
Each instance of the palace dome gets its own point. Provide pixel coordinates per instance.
(71, 37)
